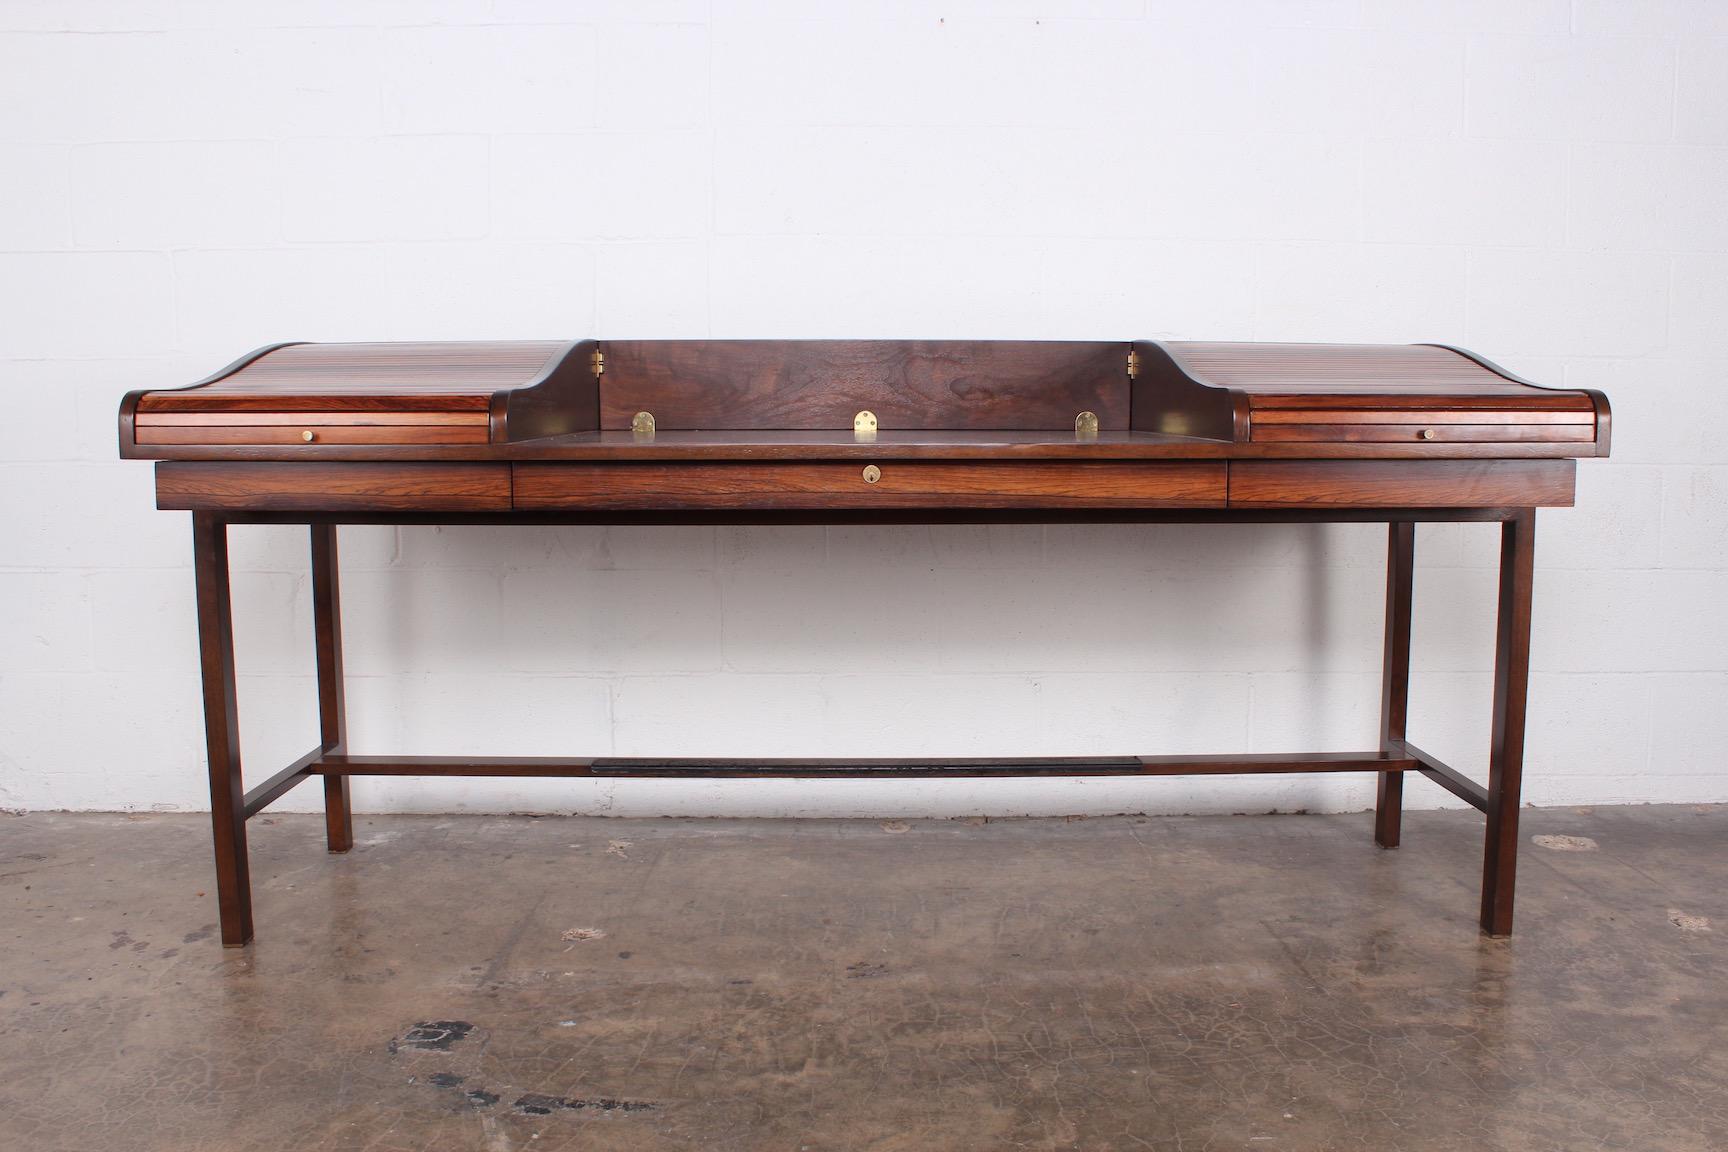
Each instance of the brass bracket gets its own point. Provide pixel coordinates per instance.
(642, 424)
(1133, 364)
(864, 425)
(1086, 426)
(599, 362)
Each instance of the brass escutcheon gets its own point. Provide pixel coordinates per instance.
(872, 473)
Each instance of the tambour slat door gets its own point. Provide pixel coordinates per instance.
(296, 396)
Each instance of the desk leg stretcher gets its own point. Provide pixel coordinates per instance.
(231, 805)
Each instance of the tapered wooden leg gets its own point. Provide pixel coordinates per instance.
(332, 707)
(1395, 677)
(222, 727)
(1511, 683)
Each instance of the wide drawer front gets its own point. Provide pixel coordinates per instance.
(1401, 483)
(891, 484)
(1425, 434)
(311, 428)
(1404, 425)
(316, 487)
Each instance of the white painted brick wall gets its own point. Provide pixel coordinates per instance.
(1543, 180)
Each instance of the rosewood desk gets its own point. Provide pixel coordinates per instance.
(762, 431)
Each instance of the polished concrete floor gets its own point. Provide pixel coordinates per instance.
(1269, 982)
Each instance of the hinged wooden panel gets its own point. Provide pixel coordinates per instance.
(908, 384)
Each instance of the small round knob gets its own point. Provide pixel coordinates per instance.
(1427, 433)
(308, 436)
(872, 473)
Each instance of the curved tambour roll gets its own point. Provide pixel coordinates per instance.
(1360, 399)
(303, 398)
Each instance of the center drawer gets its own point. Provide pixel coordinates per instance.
(861, 485)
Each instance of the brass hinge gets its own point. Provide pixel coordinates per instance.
(599, 360)
(864, 425)
(1086, 426)
(1133, 364)
(642, 423)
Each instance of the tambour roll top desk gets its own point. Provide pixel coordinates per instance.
(767, 431)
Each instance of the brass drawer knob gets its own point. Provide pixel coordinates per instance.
(1427, 433)
(872, 473)
(308, 436)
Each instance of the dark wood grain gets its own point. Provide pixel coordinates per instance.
(334, 376)
(862, 768)
(399, 400)
(1395, 397)
(265, 794)
(902, 485)
(1506, 749)
(333, 487)
(1436, 437)
(294, 436)
(1404, 484)
(1395, 677)
(811, 445)
(332, 688)
(649, 517)
(306, 419)
(1169, 400)
(222, 729)
(1600, 408)
(540, 399)
(563, 399)
(908, 384)
(1447, 777)
(1310, 369)
(1457, 411)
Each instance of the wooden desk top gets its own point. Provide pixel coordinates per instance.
(709, 424)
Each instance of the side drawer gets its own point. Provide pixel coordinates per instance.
(245, 427)
(1404, 425)
(1435, 433)
(897, 484)
(328, 487)
(1401, 483)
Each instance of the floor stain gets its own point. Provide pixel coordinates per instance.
(432, 1036)
(535, 1104)
(1565, 843)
